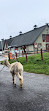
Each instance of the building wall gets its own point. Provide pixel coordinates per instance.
(30, 48)
(39, 39)
(19, 49)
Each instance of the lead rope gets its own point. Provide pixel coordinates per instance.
(2, 68)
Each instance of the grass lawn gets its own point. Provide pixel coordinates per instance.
(35, 64)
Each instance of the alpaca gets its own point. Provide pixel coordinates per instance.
(16, 69)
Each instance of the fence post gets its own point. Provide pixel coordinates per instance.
(9, 56)
(16, 54)
(41, 54)
(37, 50)
(22, 53)
(26, 56)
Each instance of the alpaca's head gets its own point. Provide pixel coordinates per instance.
(5, 62)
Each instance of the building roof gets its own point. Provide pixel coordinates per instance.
(9, 41)
(2, 43)
(27, 38)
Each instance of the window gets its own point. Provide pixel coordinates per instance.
(44, 37)
(39, 45)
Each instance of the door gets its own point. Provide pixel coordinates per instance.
(47, 38)
(47, 47)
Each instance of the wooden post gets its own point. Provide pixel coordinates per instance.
(41, 54)
(16, 54)
(9, 56)
(26, 56)
(22, 53)
(37, 50)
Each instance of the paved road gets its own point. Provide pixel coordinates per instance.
(34, 96)
(2, 58)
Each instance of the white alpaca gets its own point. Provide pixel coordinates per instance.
(16, 69)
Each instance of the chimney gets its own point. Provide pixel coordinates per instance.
(47, 24)
(35, 26)
(20, 33)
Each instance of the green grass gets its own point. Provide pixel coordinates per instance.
(35, 64)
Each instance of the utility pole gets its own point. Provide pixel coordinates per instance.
(2, 45)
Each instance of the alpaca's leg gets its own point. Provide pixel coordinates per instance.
(15, 80)
(21, 79)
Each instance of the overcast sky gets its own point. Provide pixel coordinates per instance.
(22, 15)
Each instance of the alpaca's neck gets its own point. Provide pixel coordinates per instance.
(8, 64)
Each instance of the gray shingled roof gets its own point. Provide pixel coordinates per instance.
(27, 38)
(4, 41)
(9, 41)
